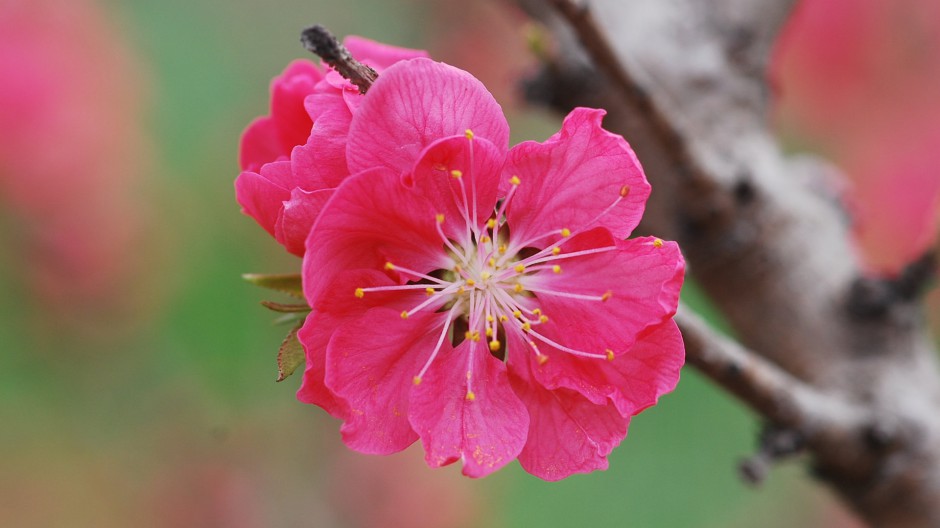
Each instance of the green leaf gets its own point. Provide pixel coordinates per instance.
(285, 308)
(290, 284)
(290, 356)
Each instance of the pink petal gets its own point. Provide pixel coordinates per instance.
(337, 310)
(378, 55)
(289, 125)
(315, 336)
(297, 216)
(322, 159)
(633, 381)
(370, 364)
(262, 195)
(370, 220)
(412, 104)
(573, 177)
(486, 432)
(567, 433)
(479, 162)
(642, 276)
(260, 144)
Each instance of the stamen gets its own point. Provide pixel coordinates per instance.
(440, 341)
(569, 295)
(657, 243)
(360, 293)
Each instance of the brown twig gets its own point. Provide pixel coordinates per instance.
(317, 39)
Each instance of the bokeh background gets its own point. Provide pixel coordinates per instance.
(137, 369)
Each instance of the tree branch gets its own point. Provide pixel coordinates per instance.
(684, 81)
(318, 40)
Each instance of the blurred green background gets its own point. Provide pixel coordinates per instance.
(154, 403)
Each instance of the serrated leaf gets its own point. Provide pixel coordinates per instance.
(290, 284)
(285, 308)
(290, 356)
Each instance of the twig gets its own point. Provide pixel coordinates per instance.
(770, 391)
(317, 39)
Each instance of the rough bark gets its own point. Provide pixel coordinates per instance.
(839, 361)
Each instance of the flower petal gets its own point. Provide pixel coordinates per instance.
(567, 433)
(486, 430)
(322, 158)
(289, 125)
(262, 195)
(339, 309)
(478, 163)
(642, 277)
(370, 220)
(297, 217)
(378, 55)
(412, 104)
(573, 177)
(633, 381)
(370, 364)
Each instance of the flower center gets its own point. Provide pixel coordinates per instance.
(495, 283)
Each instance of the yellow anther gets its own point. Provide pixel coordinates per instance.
(491, 223)
(543, 318)
(468, 133)
(472, 336)
(491, 262)
(476, 337)
(537, 311)
(489, 332)
(489, 319)
(610, 354)
(607, 295)
(503, 318)
(456, 173)
(625, 190)
(517, 314)
(416, 380)
(404, 314)
(360, 293)
(526, 326)
(471, 396)
(556, 250)
(485, 275)
(471, 282)
(519, 268)
(657, 243)
(542, 359)
(517, 288)
(494, 345)
(556, 268)
(502, 248)
(565, 232)
(461, 289)
(440, 218)
(389, 266)
(468, 334)
(429, 291)
(515, 180)
(485, 239)
(457, 268)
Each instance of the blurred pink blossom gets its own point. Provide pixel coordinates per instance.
(72, 152)
(860, 79)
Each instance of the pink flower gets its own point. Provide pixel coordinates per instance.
(484, 299)
(292, 159)
(859, 79)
